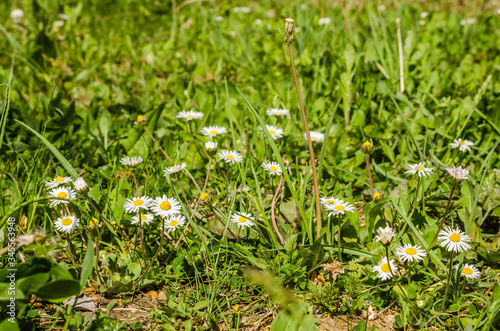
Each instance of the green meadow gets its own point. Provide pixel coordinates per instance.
(156, 171)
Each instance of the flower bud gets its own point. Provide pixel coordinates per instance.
(211, 147)
(289, 31)
(367, 147)
(141, 120)
(385, 235)
(204, 196)
(80, 185)
(377, 196)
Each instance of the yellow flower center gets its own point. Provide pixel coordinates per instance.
(377, 196)
(66, 221)
(419, 168)
(467, 271)
(273, 168)
(144, 217)
(277, 113)
(59, 180)
(331, 201)
(174, 223)
(93, 222)
(139, 118)
(230, 157)
(165, 205)
(367, 144)
(411, 251)
(62, 195)
(203, 196)
(455, 237)
(213, 132)
(313, 138)
(241, 219)
(190, 116)
(339, 207)
(271, 132)
(385, 267)
(462, 143)
(138, 202)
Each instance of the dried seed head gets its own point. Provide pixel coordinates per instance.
(289, 31)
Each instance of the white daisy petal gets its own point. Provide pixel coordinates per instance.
(385, 235)
(63, 193)
(458, 173)
(174, 169)
(135, 204)
(462, 145)
(231, 157)
(190, 115)
(173, 222)
(131, 161)
(384, 268)
(315, 136)
(212, 131)
(274, 131)
(419, 169)
(58, 181)
(339, 208)
(330, 201)
(66, 223)
(410, 253)
(272, 168)
(277, 112)
(468, 271)
(145, 219)
(243, 219)
(164, 206)
(454, 240)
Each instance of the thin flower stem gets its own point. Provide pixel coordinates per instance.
(195, 141)
(273, 216)
(339, 244)
(367, 157)
(444, 217)
(394, 277)
(71, 250)
(449, 276)
(157, 144)
(156, 253)
(309, 143)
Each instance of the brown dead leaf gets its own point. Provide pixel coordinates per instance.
(153, 295)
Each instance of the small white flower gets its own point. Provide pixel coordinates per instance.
(63, 16)
(17, 15)
(66, 223)
(80, 184)
(212, 131)
(230, 156)
(339, 209)
(173, 222)
(58, 181)
(420, 303)
(330, 201)
(462, 145)
(272, 168)
(145, 219)
(274, 131)
(410, 253)
(277, 112)
(133, 205)
(58, 23)
(63, 193)
(419, 169)
(174, 169)
(384, 268)
(315, 136)
(164, 206)
(211, 146)
(381, 7)
(468, 271)
(219, 18)
(244, 10)
(258, 21)
(422, 22)
(424, 14)
(462, 22)
(131, 161)
(458, 173)
(385, 235)
(242, 219)
(324, 21)
(190, 115)
(454, 240)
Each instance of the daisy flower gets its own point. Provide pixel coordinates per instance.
(277, 112)
(211, 146)
(230, 156)
(419, 169)
(420, 303)
(66, 223)
(383, 270)
(173, 222)
(219, 18)
(190, 115)
(165, 206)
(58, 181)
(315, 136)
(339, 208)
(324, 21)
(133, 205)
(454, 240)
(17, 15)
(212, 131)
(63, 193)
(458, 173)
(385, 235)
(141, 120)
(175, 168)
(462, 145)
(244, 10)
(274, 131)
(377, 196)
(242, 219)
(272, 168)
(80, 185)
(410, 253)
(330, 201)
(145, 219)
(131, 161)
(468, 271)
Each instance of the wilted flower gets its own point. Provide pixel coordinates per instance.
(80, 185)
(289, 31)
(385, 235)
(457, 174)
